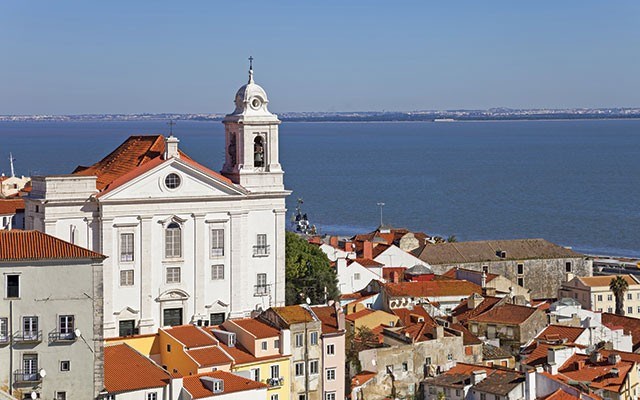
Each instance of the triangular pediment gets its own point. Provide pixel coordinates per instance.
(173, 179)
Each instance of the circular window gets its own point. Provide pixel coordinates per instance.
(172, 181)
(255, 103)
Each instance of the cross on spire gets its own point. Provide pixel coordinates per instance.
(171, 124)
(250, 62)
(251, 69)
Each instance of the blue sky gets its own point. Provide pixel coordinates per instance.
(72, 57)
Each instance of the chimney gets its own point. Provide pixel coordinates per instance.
(483, 280)
(489, 291)
(569, 276)
(530, 383)
(579, 364)
(478, 376)
(339, 316)
(367, 249)
(614, 358)
(341, 264)
(175, 387)
(438, 332)
(333, 241)
(171, 147)
(474, 301)
(558, 355)
(595, 357)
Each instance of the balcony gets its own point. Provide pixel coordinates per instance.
(261, 290)
(261, 250)
(4, 338)
(25, 337)
(26, 376)
(275, 382)
(62, 337)
(217, 252)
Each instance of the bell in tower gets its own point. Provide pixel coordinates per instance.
(251, 135)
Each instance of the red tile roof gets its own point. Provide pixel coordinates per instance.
(560, 395)
(359, 314)
(409, 317)
(362, 378)
(11, 206)
(121, 360)
(559, 332)
(210, 356)
(242, 356)
(135, 156)
(439, 288)
(232, 383)
(365, 262)
(462, 312)
(329, 318)
(257, 328)
(604, 281)
(18, 245)
(629, 325)
(509, 314)
(191, 336)
(597, 375)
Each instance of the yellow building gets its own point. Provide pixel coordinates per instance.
(370, 319)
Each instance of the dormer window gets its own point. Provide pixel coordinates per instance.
(173, 241)
(258, 152)
(218, 387)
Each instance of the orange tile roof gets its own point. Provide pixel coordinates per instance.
(121, 360)
(232, 383)
(362, 378)
(468, 338)
(559, 332)
(509, 314)
(242, 356)
(11, 206)
(130, 159)
(34, 245)
(498, 380)
(191, 336)
(408, 317)
(210, 356)
(359, 314)
(462, 312)
(629, 325)
(365, 262)
(597, 375)
(432, 288)
(257, 328)
(329, 318)
(599, 281)
(539, 354)
(293, 314)
(560, 395)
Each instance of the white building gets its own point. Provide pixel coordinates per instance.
(593, 293)
(185, 243)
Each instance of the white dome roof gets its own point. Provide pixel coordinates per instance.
(251, 98)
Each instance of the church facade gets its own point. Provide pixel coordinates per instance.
(185, 244)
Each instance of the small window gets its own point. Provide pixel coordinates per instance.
(314, 338)
(258, 152)
(389, 369)
(126, 277)
(217, 272)
(609, 310)
(168, 348)
(521, 282)
(152, 396)
(520, 269)
(629, 310)
(313, 367)
(4, 330)
(126, 327)
(331, 374)
(173, 274)
(427, 361)
(450, 357)
(405, 367)
(13, 286)
(274, 396)
(299, 368)
(330, 396)
(255, 374)
(66, 327)
(216, 318)
(276, 344)
(567, 266)
(356, 276)
(485, 269)
(275, 371)
(599, 297)
(60, 396)
(302, 397)
(331, 349)
(261, 284)
(264, 345)
(609, 297)
(483, 396)
(299, 339)
(261, 248)
(65, 366)
(218, 386)
(173, 241)
(217, 242)
(126, 247)
(172, 181)
(629, 296)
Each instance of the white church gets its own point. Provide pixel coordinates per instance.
(185, 244)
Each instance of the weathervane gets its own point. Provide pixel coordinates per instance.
(171, 124)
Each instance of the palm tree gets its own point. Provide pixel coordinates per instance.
(619, 286)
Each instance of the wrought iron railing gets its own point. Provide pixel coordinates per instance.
(261, 290)
(25, 376)
(57, 337)
(27, 337)
(261, 250)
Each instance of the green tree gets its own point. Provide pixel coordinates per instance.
(452, 239)
(619, 286)
(308, 272)
(362, 339)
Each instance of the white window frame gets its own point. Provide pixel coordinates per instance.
(217, 242)
(274, 396)
(127, 247)
(330, 374)
(173, 241)
(330, 396)
(264, 345)
(299, 339)
(127, 277)
(68, 368)
(314, 367)
(66, 326)
(298, 368)
(217, 272)
(170, 275)
(313, 338)
(331, 349)
(6, 286)
(274, 369)
(4, 330)
(255, 374)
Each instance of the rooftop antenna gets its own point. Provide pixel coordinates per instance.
(171, 124)
(381, 205)
(11, 160)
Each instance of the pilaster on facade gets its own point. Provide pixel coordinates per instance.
(147, 303)
(280, 216)
(240, 286)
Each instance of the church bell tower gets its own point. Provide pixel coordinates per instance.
(251, 134)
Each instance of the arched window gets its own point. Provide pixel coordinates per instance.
(173, 241)
(258, 152)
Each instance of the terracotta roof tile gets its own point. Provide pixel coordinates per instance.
(438, 288)
(359, 314)
(257, 328)
(498, 380)
(599, 281)
(506, 314)
(34, 245)
(191, 336)
(232, 383)
(630, 325)
(468, 338)
(241, 355)
(11, 206)
(560, 395)
(362, 378)
(293, 314)
(462, 312)
(210, 356)
(329, 318)
(119, 362)
(597, 375)
(559, 332)
(490, 352)
(365, 262)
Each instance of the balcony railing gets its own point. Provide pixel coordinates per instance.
(261, 250)
(275, 382)
(217, 252)
(4, 338)
(62, 337)
(261, 290)
(28, 337)
(25, 376)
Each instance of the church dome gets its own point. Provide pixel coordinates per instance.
(251, 97)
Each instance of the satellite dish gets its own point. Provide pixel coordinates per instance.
(34, 395)
(308, 301)
(77, 332)
(43, 373)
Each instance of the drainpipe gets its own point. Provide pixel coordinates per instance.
(10, 333)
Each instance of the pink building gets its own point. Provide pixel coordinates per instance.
(333, 350)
